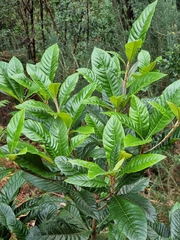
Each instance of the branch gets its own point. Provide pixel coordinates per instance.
(166, 137)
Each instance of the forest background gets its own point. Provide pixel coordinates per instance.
(28, 27)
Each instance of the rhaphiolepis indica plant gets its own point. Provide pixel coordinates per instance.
(92, 146)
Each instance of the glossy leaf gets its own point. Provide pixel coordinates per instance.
(34, 164)
(76, 141)
(129, 218)
(5, 172)
(132, 141)
(66, 88)
(96, 124)
(7, 85)
(47, 185)
(77, 106)
(8, 219)
(14, 129)
(114, 233)
(40, 78)
(131, 49)
(49, 61)
(59, 130)
(144, 204)
(158, 230)
(38, 133)
(67, 168)
(113, 133)
(96, 101)
(141, 162)
(144, 59)
(174, 222)
(84, 181)
(94, 169)
(136, 187)
(12, 187)
(141, 25)
(78, 235)
(86, 203)
(144, 81)
(54, 89)
(33, 150)
(90, 76)
(37, 108)
(116, 100)
(139, 115)
(124, 119)
(159, 120)
(174, 109)
(107, 71)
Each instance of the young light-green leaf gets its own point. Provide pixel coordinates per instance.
(131, 49)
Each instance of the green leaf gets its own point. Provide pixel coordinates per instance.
(144, 81)
(136, 187)
(141, 25)
(14, 129)
(114, 233)
(85, 130)
(131, 141)
(11, 189)
(67, 119)
(174, 109)
(159, 120)
(33, 150)
(131, 49)
(141, 162)
(71, 215)
(96, 124)
(129, 218)
(96, 101)
(107, 71)
(67, 168)
(37, 108)
(5, 172)
(22, 79)
(90, 76)
(54, 89)
(34, 164)
(139, 115)
(78, 235)
(158, 230)
(116, 100)
(66, 88)
(84, 181)
(41, 79)
(113, 133)
(9, 86)
(48, 185)
(76, 141)
(49, 61)
(77, 106)
(144, 204)
(94, 169)
(59, 130)
(144, 59)
(174, 221)
(86, 203)
(8, 219)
